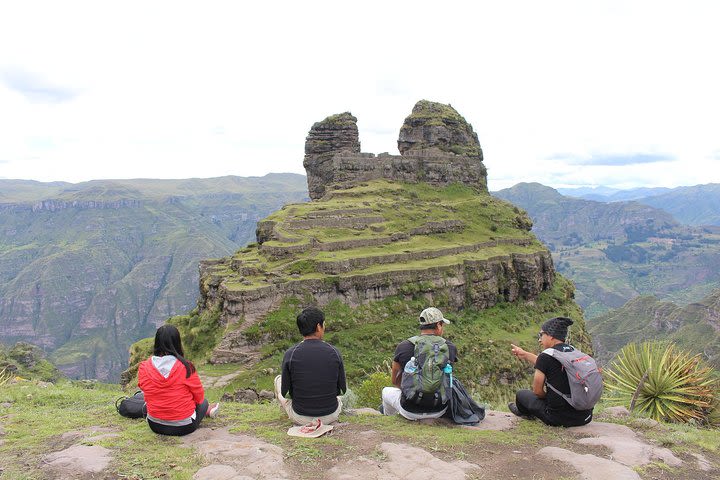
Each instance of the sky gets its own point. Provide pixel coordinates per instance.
(566, 93)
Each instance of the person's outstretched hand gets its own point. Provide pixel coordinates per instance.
(518, 352)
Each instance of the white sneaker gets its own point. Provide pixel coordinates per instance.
(213, 410)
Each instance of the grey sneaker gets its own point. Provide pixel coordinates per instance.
(514, 410)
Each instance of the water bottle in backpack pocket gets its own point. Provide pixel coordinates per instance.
(410, 366)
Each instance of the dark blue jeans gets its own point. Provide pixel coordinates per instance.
(179, 430)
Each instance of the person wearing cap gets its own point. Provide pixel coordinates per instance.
(313, 374)
(542, 402)
(432, 322)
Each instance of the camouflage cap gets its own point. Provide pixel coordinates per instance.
(432, 315)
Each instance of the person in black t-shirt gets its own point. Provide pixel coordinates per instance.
(313, 374)
(432, 322)
(542, 402)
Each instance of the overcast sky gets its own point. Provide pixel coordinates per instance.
(574, 93)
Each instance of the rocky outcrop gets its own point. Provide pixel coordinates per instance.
(335, 134)
(434, 125)
(437, 146)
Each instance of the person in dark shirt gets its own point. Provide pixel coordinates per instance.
(313, 374)
(432, 322)
(542, 402)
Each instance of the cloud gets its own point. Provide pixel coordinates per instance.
(36, 88)
(618, 160)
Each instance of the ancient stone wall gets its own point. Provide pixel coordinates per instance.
(437, 146)
(336, 267)
(476, 283)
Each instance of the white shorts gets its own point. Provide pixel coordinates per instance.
(286, 405)
(391, 406)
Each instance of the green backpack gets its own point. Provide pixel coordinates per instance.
(427, 384)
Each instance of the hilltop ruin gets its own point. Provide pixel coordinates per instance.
(374, 230)
(436, 145)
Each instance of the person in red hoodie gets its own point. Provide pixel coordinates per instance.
(174, 395)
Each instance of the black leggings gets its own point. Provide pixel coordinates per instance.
(530, 404)
(179, 430)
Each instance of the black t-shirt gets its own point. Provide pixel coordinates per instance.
(314, 375)
(556, 376)
(403, 353)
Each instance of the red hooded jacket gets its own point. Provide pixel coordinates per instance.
(171, 398)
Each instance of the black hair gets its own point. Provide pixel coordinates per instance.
(309, 319)
(429, 326)
(167, 342)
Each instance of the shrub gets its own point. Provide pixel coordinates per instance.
(370, 390)
(663, 382)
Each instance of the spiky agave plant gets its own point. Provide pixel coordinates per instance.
(5, 376)
(662, 381)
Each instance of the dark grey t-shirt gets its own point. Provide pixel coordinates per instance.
(314, 375)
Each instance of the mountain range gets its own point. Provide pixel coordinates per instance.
(617, 251)
(696, 205)
(695, 327)
(86, 269)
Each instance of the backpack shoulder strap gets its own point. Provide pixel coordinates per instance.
(415, 339)
(563, 395)
(555, 354)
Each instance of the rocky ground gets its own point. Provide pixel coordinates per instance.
(600, 450)
(70, 430)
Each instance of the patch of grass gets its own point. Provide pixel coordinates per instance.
(304, 453)
(686, 437)
(200, 333)
(26, 361)
(38, 417)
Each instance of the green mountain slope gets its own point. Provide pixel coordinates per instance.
(698, 205)
(617, 251)
(695, 327)
(86, 269)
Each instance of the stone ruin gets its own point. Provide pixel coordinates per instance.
(436, 146)
(384, 245)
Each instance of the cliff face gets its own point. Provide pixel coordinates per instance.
(87, 269)
(436, 144)
(417, 225)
